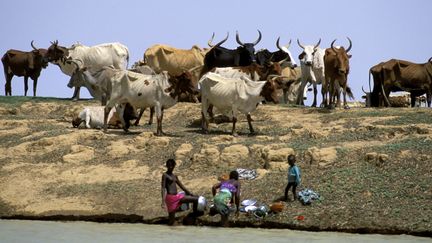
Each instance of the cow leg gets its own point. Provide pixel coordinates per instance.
(249, 119)
(25, 85)
(159, 131)
(152, 111)
(233, 132)
(413, 100)
(8, 85)
(210, 112)
(285, 95)
(234, 119)
(35, 80)
(344, 98)
(120, 109)
(315, 90)
(204, 115)
(76, 93)
(331, 94)
(428, 98)
(324, 94)
(108, 108)
(139, 116)
(300, 93)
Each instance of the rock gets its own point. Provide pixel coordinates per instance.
(129, 164)
(234, 154)
(371, 156)
(183, 150)
(159, 142)
(285, 138)
(208, 154)
(383, 158)
(279, 166)
(279, 155)
(315, 155)
(79, 154)
(223, 139)
(118, 149)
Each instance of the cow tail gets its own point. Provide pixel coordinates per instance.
(370, 90)
(350, 93)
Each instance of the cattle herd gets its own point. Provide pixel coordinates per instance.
(232, 80)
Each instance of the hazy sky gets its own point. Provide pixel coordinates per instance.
(379, 29)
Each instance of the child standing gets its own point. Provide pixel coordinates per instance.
(293, 177)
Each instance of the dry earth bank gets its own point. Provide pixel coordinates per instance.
(372, 167)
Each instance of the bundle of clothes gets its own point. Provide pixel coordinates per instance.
(306, 196)
(247, 174)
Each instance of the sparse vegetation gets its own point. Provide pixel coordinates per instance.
(385, 191)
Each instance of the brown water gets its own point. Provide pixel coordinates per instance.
(44, 231)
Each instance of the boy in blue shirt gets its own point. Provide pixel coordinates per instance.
(293, 177)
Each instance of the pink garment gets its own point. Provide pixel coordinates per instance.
(173, 201)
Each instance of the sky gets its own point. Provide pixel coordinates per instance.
(380, 30)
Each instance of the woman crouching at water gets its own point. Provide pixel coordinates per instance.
(170, 198)
(228, 190)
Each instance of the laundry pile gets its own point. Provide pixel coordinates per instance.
(247, 174)
(306, 196)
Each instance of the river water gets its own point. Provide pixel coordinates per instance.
(48, 231)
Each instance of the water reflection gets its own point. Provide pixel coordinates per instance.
(44, 231)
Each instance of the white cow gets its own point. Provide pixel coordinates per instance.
(230, 96)
(143, 91)
(93, 116)
(312, 68)
(92, 57)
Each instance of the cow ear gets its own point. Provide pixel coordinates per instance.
(349, 55)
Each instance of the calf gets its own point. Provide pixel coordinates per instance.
(93, 116)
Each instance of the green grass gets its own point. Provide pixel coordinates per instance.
(421, 145)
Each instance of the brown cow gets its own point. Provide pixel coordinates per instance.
(336, 65)
(399, 75)
(21, 63)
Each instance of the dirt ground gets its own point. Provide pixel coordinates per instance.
(371, 167)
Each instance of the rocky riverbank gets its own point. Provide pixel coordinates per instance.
(372, 167)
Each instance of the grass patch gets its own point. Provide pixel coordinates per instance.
(420, 145)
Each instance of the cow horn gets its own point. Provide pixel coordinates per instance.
(298, 42)
(278, 45)
(289, 44)
(350, 44)
(31, 43)
(211, 40)
(259, 38)
(76, 64)
(363, 90)
(222, 41)
(430, 59)
(332, 47)
(317, 44)
(238, 39)
(384, 95)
